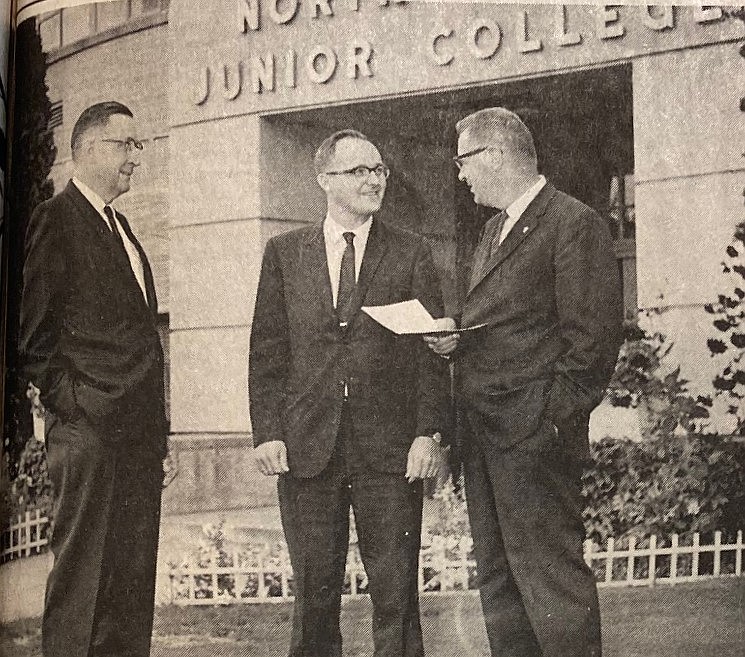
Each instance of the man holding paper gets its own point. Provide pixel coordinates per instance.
(545, 281)
(347, 412)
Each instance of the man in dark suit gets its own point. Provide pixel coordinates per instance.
(545, 281)
(90, 344)
(346, 412)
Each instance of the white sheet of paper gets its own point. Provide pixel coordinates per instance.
(407, 318)
(404, 317)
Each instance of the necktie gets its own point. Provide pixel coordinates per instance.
(487, 246)
(109, 212)
(113, 223)
(347, 281)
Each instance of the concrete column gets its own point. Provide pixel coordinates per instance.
(688, 133)
(217, 238)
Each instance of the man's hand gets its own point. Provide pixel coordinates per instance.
(443, 345)
(426, 457)
(271, 458)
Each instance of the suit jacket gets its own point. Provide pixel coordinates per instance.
(88, 336)
(551, 298)
(300, 358)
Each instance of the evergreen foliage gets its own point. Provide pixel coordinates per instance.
(32, 154)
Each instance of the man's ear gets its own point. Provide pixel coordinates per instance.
(86, 146)
(323, 181)
(495, 156)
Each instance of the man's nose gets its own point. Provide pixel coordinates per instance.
(461, 175)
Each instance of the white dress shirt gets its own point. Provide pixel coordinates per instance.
(333, 235)
(519, 205)
(134, 257)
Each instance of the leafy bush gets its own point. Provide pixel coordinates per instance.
(641, 381)
(32, 489)
(729, 313)
(664, 486)
(213, 552)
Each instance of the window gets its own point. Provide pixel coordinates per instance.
(147, 6)
(76, 24)
(621, 214)
(56, 117)
(49, 27)
(72, 24)
(111, 14)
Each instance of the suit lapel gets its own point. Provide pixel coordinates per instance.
(526, 225)
(90, 216)
(107, 241)
(314, 270)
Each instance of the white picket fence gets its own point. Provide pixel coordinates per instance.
(26, 536)
(652, 563)
(264, 574)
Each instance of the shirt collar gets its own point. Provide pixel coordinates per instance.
(334, 231)
(94, 199)
(519, 205)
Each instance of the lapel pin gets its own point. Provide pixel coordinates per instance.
(526, 229)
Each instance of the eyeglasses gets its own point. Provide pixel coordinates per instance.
(361, 172)
(129, 143)
(458, 159)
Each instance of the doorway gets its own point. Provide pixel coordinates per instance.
(582, 123)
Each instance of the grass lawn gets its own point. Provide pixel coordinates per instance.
(693, 620)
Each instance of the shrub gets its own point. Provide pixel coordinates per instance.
(664, 486)
(728, 314)
(641, 381)
(32, 489)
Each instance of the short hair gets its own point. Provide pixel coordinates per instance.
(327, 149)
(498, 123)
(93, 117)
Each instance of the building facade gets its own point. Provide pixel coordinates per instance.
(636, 111)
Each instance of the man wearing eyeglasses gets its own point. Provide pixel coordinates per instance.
(344, 411)
(545, 281)
(91, 348)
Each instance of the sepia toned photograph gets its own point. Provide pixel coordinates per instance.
(373, 327)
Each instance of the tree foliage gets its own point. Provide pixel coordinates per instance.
(641, 381)
(728, 314)
(676, 479)
(32, 154)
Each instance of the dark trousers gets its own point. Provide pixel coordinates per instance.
(100, 592)
(388, 518)
(538, 596)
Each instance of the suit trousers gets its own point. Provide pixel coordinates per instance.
(101, 589)
(538, 596)
(388, 518)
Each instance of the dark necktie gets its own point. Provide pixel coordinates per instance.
(347, 281)
(487, 246)
(109, 212)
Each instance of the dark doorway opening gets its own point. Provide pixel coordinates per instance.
(582, 123)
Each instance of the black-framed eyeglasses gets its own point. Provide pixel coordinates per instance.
(130, 143)
(361, 172)
(458, 159)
